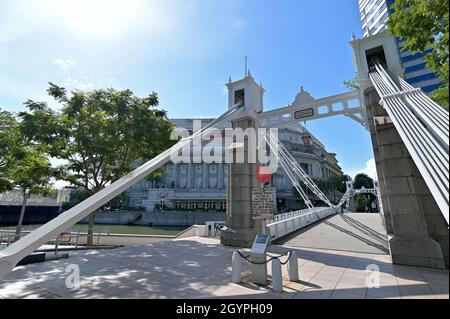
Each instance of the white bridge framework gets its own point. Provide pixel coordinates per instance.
(347, 104)
(421, 123)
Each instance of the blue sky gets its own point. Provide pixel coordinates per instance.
(186, 51)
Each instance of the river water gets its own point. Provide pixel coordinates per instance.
(118, 229)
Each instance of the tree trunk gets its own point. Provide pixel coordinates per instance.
(22, 214)
(90, 236)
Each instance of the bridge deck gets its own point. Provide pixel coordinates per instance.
(363, 233)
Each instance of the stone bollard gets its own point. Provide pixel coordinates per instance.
(293, 268)
(277, 279)
(236, 270)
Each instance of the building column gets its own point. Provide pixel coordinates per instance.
(220, 169)
(205, 179)
(175, 175)
(189, 176)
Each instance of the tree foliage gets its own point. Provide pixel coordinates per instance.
(8, 142)
(30, 170)
(79, 195)
(23, 164)
(329, 185)
(352, 84)
(99, 134)
(363, 180)
(423, 24)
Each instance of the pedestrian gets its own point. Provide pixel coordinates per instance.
(374, 207)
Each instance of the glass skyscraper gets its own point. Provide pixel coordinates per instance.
(374, 14)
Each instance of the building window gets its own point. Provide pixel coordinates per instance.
(182, 169)
(305, 167)
(198, 182)
(212, 182)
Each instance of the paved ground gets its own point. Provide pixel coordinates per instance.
(201, 268)
(364, 233)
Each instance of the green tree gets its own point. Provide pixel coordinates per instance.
(363, 180)
(101, 134)
(29, 170)
(338, 184)
(23, 165)
(76, 197)
(423, 24)
(8, 141)
(79, 195)
(352, 84)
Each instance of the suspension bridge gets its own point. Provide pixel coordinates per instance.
(409, 134)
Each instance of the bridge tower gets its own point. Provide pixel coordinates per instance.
(241, 228)
(417, 230)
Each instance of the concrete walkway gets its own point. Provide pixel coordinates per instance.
(364, 233)
(201, 268)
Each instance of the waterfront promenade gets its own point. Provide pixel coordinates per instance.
(201, 268)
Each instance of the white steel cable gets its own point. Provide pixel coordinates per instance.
(290, 172)
(300, 172)
(433, 116)
(423, 127)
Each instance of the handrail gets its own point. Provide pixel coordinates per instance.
(280, 217)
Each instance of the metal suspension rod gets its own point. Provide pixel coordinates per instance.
(305, 177)
(423, 127)
(301, 174)
(291, 175)
(424, 108)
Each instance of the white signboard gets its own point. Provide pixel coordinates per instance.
(262, 203)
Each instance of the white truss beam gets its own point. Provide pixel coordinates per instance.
(347, 104)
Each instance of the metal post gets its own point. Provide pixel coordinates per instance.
(277, 280)
(293, 267)
(56, 244)
(236, 271)
(78, 237)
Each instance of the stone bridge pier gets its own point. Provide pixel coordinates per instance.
(418, 233)
(241, 228)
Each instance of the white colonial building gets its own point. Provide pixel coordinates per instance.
(200, 186)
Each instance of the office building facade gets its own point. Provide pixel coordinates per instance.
(374, 15)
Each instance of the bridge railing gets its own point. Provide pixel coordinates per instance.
(294, 221)
(280, 217)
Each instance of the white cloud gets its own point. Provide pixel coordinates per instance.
(78, 84)
(369, 169)
(238, 24)
(59, 184)
(65, 65)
